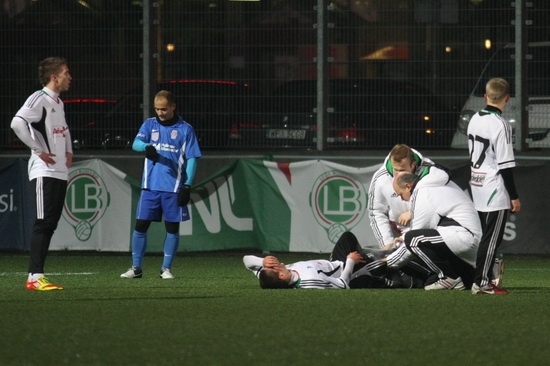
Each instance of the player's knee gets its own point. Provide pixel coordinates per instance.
(172, 227)
(142, 225)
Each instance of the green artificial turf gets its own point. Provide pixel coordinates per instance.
(214, 313)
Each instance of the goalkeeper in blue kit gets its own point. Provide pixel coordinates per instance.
(171, 152)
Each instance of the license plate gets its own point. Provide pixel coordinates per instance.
(286, 134)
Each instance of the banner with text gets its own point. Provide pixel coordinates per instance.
(249, 204)
(297, 207)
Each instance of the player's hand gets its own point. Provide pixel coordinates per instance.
(270, 261)
(397, 242)
(47, 158)
(151, 153)
(404, 218)
(357, 258)
(184, 195)
(516, 206)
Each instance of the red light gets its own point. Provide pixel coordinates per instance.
(202, 81)
(89, 100)
(350, 133)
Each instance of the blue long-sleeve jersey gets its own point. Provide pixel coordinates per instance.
(176, 145)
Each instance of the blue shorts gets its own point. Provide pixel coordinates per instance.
(153, 204)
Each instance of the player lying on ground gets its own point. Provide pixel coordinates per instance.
(347, 267)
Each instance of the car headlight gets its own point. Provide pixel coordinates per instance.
(464, 121)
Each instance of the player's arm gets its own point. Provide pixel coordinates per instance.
(139, 145)
(24, 132)
(510, 185)
(190, 171)
(351, 260)
(253, 264)
(142, 139)
(184, 195)
(378, 215)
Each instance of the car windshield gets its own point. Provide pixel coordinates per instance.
(502, 65)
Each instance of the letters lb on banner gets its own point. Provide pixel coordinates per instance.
(98, 211)
(305, 206)
(268, 206)
(250, 204)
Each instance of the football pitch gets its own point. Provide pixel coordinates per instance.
(214, 313)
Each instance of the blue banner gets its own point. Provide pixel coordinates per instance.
(17, 206)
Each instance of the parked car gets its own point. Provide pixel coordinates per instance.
(538, 91)
(212, 107)
(375, 113)
(82, 113)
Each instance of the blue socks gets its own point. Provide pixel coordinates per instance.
(171, 243)
(139, 245)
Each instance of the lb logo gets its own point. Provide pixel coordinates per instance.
(86, 201)
(338, 203)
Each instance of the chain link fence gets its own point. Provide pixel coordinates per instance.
(275, 74)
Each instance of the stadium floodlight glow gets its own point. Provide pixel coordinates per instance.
(488, 44)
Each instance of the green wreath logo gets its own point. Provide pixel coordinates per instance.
(86, 201)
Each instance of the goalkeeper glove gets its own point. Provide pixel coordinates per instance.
(151, 153)
(184, 195)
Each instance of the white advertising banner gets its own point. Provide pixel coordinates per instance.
(98, 209)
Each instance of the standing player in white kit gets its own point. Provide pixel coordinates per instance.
(492, 180)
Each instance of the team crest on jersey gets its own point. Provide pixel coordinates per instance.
(155, 136)
(174, 134)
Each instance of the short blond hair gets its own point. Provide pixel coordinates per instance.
(496, 90)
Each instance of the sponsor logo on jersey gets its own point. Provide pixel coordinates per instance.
(86, 201)
(477, 179)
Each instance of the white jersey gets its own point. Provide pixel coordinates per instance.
(40, 124)
(385, 206)
(491, 149)
(449, 210)
(314, 274)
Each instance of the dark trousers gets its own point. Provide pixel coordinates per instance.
(492, 225)
(430, 248)
(346, 244)
(50, 198)
(380, 278)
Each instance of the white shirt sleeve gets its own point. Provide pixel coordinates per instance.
(23, 132)
(253, 264)
(379, 211)
(348, 269)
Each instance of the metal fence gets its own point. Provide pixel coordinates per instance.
(272, 74)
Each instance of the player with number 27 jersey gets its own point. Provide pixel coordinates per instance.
(491, 150)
